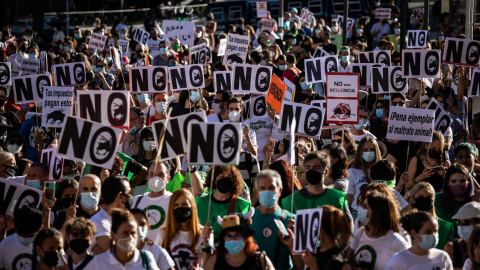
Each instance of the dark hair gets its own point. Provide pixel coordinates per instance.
(39, 239)
(467, 146)
(42, 166)
(383, 170)
(384, 102)
(448, 199)
(436, 95)
(338, 169)
(28, 219)
(287, 176)
(120, 216)
(140, 113)
(318, 155)
(473, 242)
(145, 133)
(67, 183)
(414, 220)
(398, 95)
(347, 137)
(226, 95)
(236, 178)
(255, 56)
(291, 59)
(112, 186)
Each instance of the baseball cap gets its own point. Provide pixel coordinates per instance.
(294, 10)
(468, 211)
(345, 49)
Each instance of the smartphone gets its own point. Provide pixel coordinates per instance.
(438, 168)
(50, 191)
(282, 228)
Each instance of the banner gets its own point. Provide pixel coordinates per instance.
(350, 22)
(28, 89)
(388, 80)
(365, 71)
(71, 74)
(306, 16)
(55, 165)
(97, 41)
(342, 111)
(437, 44)
(29, 66)
(307, 230)
(236, 51)
(309, 119)
(417, 39)
(15, 196)
(5, 73)
(289, 94)
(148, 79)
(276, 93)
(214, 143)
(186, 77)
(222, 80)
(378, 57)
(261, 9)
(342, 85)
(442, 120)
(383, 13)
(421, 63)
(57, 103)
(411, 124)
(316, 68)
(183, 30)
(140, 63)
(141, 36)
(110, 108)
(462, 52)
(251, 79)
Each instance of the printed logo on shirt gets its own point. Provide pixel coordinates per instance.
(366, 257)
(267, 232)
(156, 216)
(22, 262)
(183, 257)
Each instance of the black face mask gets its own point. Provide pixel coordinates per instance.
(423, 204)
(52, 258)
(435, 154)
(67, 202)
(79, 245)
(23, 48)
(224, 185)
(129, 202)
(182, 214)
(11, 170)
(314, 177)
(2, 102)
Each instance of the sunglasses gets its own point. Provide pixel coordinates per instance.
(379, 107)
(401, 103)
(338, 141)
(217, 100)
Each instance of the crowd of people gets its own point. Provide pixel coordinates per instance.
(386, 204)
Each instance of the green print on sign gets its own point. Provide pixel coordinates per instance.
(366, 257)
(22, 262)
(156, 216)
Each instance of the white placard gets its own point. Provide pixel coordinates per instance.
(307, 230)
(319, 52)
(383, 13)
(417, 39)
(148, 79)
(306, 16)
(342, 85)
(15, 196)
(410, 124)
(55, 164)
(475, 84)
(258, 108)
(379, 57)
(388, 80)
(365, 71)
(290, 90)
(5, 73)
(442, 119)
(72, 74)
(222, 47)
(183, 30)
(109, 108)
(421, 63)
(30, 88)
(222, 80)
(141, 36)
(29, 66)
(248, 79)
(461, 52)
(309, 120)
(186, 77)
(124, 45)
(236, 51)
(97, 41)
(316, 68)
(342, 111)
(262, 11)
(57, 103)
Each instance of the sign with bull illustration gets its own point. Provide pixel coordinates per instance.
(57, 103)
(248, 79)
(54, 163)
(111, 108)
(421, 63)
(377, 57)
(462, 52)
(5, 73)
(388, 80)
(148, 79)
(316, 68)
(71, 74)
(30, 88)
(214, 143)
(88, 141)
(442, 119)
(236, 51)
(342, 111)
(186, 77)
(309, 119)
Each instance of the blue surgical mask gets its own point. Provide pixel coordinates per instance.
(268, 198)
(161, 107)
(368, 156)
(66, 48)
(440, 38)
(352, 58)
(397, 31)
(34, 184)
(123, 35)
(386, 96)
(345, 58)
(163, 50)
(464, 232)
(142, 233)
(362, 216)
(142, 98)
(194, 97)
(379, 113)
(294, 41)
(95, 25)
(108, 59)
(172, 64)
(102, 33)
(362, 123)
(70, 176)
(112, 41)
(234, 247)
(318, 31)
(60, 46)
(25, 241)
(359, 31)
(32, 56)
(282, 67)
(263, 63)
(429, 241)
(77, 36)
(306, 86)
(90, 199)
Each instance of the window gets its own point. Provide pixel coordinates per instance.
(297, 5)
(235, 12)
(217, 13)
(354, 6)
(315, 7)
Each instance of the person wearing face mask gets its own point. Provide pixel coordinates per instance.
(116, 194)
(359, 130)
(379, 119)
(268, 188)
(156, 200)
(344, 57)
(178, 48)
(131, 143)
(153, 43)
(160, 103)
(65, 206)
(359, 35)
(282, 65)
(8, 168)
(16, 249)
(20, 49)
(378, 29)
(188, 102)
(249, 138)
(148, 147)
(13, 145)
(124, 252)
(423, 229)
(429, 165)
(161, 59)
(317, 166)
(48, 246)
(57, 33)
(467, 217)
(183, 235)
(89, 193)
(395, 37)
(162, 258)
(220, 107)
(336, 35)
(328, 46)
(79, 234)
(291, 70)
(103, 79)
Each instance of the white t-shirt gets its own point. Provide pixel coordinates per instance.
(161, 256)
(213, 118)
(154, 46)
(376, 252)
(356, 179)
(14, 255)
(358, 138)
(108, 261)
(157, 211)
(467, 265)
(437, 259)
(103, 223)
(253, 138)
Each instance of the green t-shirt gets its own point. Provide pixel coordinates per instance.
(336, 39)
(175, 183)
(329, 197)
(389, 183)
(445, 229)
(267, 239)
(218, 209)
(442, 213)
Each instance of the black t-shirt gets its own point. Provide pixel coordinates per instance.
(330, 48)
(178, 110)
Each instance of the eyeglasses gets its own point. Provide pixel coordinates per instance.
(236, 236)
(101, 66)
(401, 103)
(338, 141)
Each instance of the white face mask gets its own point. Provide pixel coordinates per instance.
(161, 107)
(234, 116)
(127, 244)
(149, 145)
(216, 108)
(156, 184)
(14, 148)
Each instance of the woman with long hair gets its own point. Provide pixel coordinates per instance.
(186, 240)
(188, 102)
(47, 246)
(64, 208)
(473, 260)
(348, 143)
(429, 165)
(288, 178)
(338, 176)
(147, 150)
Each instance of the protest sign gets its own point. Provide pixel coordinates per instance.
(323, 104)
(475, 84)
(43, 63)
(388, 80)
(365, 70)
(379, 57)
(307, 230)
(97, 41)
(14, 196)
(410, 124)
(437, 44)
(350, 22)
(222, 80)
(18, 59)
(316, 68)
(183, 30)
(110, 108)
(383, 13)
(306, 16)
(57, 103)
(55, 164)
(342, 85)
(222, 46)
(141, 36)
(442, 120)
(289, 94)
(116, 59)
(342, 111)
(141, 63)
(124, 46)
(309, 119)
(5, 73)
(236, 51)
(262, 11)
(214, 143)
(160, 31)
(258, 109)
(462, 52)
(417, 14)
(319, 52)
(248, 79)
(417, 39)
(421, 63)
(276, 93)
(148, 79)
(200, 54)
(30, 88)
(175, 139)
(29, 66)
(88, 141)
(268, 25)
(186, 77)
(71, 74)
